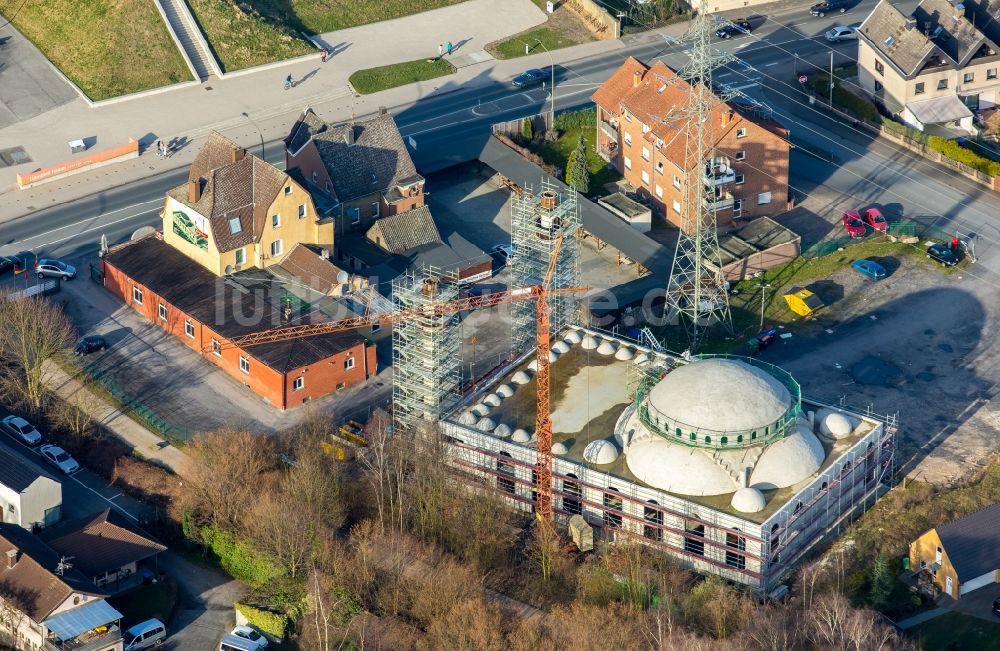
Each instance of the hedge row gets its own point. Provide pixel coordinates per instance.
(949, 148)
(274, 624)
(238, 558)
(844, 99)
(576, 119)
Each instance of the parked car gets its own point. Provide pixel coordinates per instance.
(529, 78)
(6, 264)
(504, 251)
(253, 635)
(89, 344)
(996, 606)
(735, 28)
(150, 633)
(842, 33)
(874, 218)
(941, 253)
(55, 269)
(236, 643)
(852, 222)
(22, 430)
(869, 268)
(830, 6)
(59, 458)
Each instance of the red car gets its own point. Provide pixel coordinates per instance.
(874, 218)
(852, 222)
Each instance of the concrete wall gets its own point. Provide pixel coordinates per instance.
(604, 25)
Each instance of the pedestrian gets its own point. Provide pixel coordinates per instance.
(323, 54)
(440, 50)
(159, 148)
(450, 48)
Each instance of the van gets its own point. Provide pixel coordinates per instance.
(146, 635)
(236, 643)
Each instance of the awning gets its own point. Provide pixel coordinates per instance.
(69, 624)
(947, 108)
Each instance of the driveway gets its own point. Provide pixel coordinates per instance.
(205, 612)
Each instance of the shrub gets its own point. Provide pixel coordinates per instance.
(577, 173)
(272, 623)
(238, 558)
(576, 119)
(527, 130)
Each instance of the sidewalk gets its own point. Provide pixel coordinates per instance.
(145, 443)
(187, 115)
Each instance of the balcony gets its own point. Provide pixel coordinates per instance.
(609, 129)
(722, 201)
(719, 172)
(608, 152)
(91, 641)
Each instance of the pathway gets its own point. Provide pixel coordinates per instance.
(921, 618)
(182, 23)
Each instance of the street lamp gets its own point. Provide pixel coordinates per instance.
(552, 67)
(763, 289)
(259, 133)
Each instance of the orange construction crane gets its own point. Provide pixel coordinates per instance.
(540, 293)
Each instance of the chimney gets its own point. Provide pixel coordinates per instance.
(238, 154)
(727, 117)
(911, 22)
(324, 254)
(194, 190)
(349, 135)
(12, 556)
(636, 78)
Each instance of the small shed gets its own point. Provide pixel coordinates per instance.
(802, 301)
(632, 212)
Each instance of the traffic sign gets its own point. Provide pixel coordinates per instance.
(803, 79)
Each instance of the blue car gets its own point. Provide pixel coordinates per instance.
(869, 268)
(529, 78)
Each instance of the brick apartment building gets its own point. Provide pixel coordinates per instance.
(204, 312)
(747, 171)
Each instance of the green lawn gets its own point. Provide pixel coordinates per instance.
(557, 153)
(372, 80)
(318, 16)
(957, 631)
(108, 48)
(537, 40)
(146, 602)
(242, 38)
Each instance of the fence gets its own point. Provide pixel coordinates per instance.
(137, 410)
(514, 129)
(925, 230)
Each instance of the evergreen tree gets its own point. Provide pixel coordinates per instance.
(882, 580)
(577, 172)
(527, 130)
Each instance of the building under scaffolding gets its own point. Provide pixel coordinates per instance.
(425, 355)
(537, 221)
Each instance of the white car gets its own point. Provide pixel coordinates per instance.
(59, 458)
(55, 269)
(842, 33)
(22, 430)
(251, 634)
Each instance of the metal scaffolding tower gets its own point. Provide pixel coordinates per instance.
(425, 355)
(537, 221)
(696, 291)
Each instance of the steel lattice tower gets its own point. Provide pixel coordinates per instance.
(696, 291)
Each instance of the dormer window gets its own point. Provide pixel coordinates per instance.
(234, 225)
(889, 40)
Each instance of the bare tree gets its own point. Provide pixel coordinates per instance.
(385, 464)
(471, 625)
(828, 619)
(773, 628)
(35, 330)
(542, 547)
(280, 530)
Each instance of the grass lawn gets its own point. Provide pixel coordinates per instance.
(318, 16)
(146, 602)
(957, 631)
(513, 47)
(242, 39)
(372, 80)
(557, 153)
(98, 43)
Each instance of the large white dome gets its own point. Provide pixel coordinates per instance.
(789, 460)
(720, 395)
(675, 468)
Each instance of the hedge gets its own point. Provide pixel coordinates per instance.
(843, 98)
(949, 148)
(576, 119)
(238, 558)
(272, 623)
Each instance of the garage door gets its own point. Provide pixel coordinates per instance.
(977, 582)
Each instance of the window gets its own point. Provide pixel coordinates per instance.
(276, 247)
(505, 474)
(137, 295)
(741, 155)
(613, 502)
(677, 182)
(736, 541)
(241, 257)
(739, 179)
(628, 163)
(739, 561)
(628, 138)
(355, 215)
(377, 327)
(654, 517)
(942, 84)
(234, 225)
(937, 555)
(741, 132)
(275, 221)
(879, 68)
(628, 118)
(302, 210)
(645, 129)
(968, 77)
(918, 89)
(659, 167)
(288, 190)
(677, 206)
(189, 328)
(645, 176)
(244, 364)
(162, 312)
(659, 191)
(878, 86)
(572, 506)
(737, 204)
(694, 545)
(298, 383)
(645, 153)
(763, 198)
(375, 209)
(889, 40)
(991, 73)
(216, 348)
(349, 362)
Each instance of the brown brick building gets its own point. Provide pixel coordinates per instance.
(748, 169)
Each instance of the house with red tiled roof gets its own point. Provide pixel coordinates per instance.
(643, 131)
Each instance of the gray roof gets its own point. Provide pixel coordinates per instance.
(404, 231)
(937, 110)
(885, 29)
(958, 37)
(973, 542)
(18, 473)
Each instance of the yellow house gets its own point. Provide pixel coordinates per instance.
(236, 211)
(963, 554)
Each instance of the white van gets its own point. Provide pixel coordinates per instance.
(146, 635)
(236, 643)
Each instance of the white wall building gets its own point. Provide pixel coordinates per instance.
(29, 496)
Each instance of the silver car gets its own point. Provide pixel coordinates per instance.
(21, 429)
(842, 33)
(59, 458)
(55, 269)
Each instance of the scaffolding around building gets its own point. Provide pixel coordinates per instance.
(537, 221)
(425, 355)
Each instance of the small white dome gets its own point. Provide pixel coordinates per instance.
(600, 452)
(493, 400)
(606, 348)
(834, 423)
(533, 365)
(624, 353)
(480, 410)
(589, 342)
(505, 391)
(520, 436)
(521, 378)
(789, 460)
(467, 418)
(559, 448)
(560, 347)
(573, 338)
(748, 500)
(486, 425)
(642, 358)
(553, 356)
(675, 468)
(502, 430)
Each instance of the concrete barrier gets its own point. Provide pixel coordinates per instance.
(79, 165)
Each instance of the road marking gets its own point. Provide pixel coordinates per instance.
(773, 63)
(83, 232)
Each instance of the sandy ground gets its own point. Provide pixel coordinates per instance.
(603, 385)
